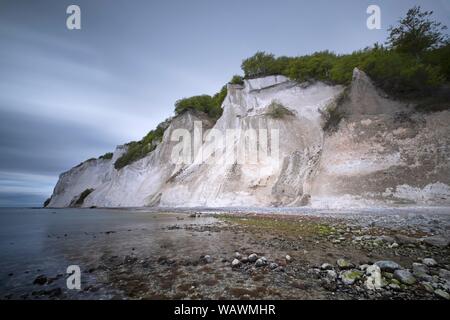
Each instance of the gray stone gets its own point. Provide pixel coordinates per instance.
(429, 262)
(374, 280)
(207, 259)
(401, 239)
(331, 275)
(350, 276)
(386, 265)
(405, 277)
(326, 266)
(427, 286)
(237, 255)
(437, 241)
(288, 257)
(444, 274)
(384, 238)
(273, 266)
(394, 286)
(420, 271)
(253, 257)
(260, 263)
(235, 263)
(442, 294)
(419, 268)
(344, 264)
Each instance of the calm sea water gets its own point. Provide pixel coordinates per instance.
(37, 242)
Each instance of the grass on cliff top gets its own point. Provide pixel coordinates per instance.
(281, 225)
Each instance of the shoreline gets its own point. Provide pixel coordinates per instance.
(173, 255)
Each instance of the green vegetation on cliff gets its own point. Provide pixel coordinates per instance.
(139, 149)
(414, 63)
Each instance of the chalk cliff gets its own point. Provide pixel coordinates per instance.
(382, 152)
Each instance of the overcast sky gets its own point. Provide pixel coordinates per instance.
(69, 95)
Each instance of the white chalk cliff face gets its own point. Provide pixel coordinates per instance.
(382, 153)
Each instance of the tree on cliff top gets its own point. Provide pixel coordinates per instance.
(416, 33)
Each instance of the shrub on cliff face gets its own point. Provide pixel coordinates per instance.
(212, 106)
(139, 149)
(278, 111)
(78, 202)
(47, 202)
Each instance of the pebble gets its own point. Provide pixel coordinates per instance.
(350, 276)
(253, 257)
(207, 259)
(235, 263)
(386, 265)
(260, 263)
(420, 271)
(331, 274)
(237, 255)
(442, 294)
(404, 276)
(326, 266)
(288, 257)
(427, 286)
(444, 274)
(394, 286)
(437, 241)
(387, 239)
(273, 266)
(344, 264)
(429, 262)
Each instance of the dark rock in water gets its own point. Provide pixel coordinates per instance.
(40, 280)
(405, 277)
(54, 292)
(389, 266)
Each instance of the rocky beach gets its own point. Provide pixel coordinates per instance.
(244, 254)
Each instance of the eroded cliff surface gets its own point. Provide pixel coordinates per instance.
(382, 152)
